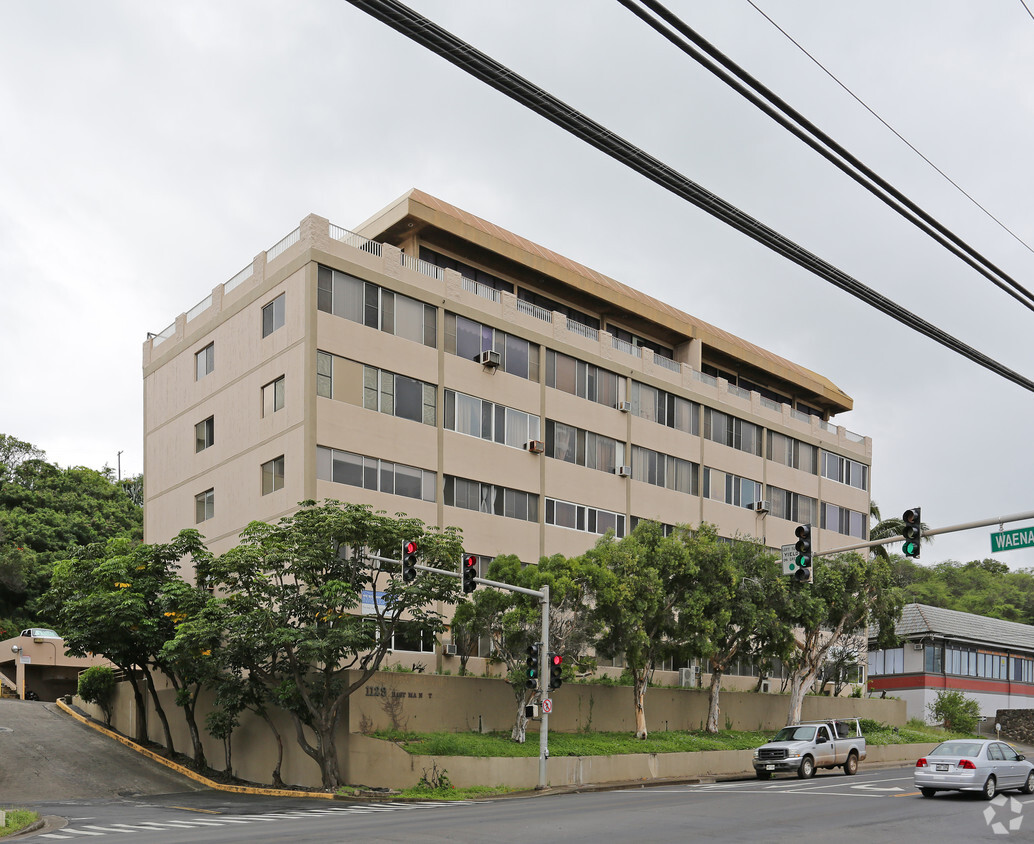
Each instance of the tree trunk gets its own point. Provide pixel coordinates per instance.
(800, 682)
(324, 753)
(520, 724)
(200, 762)
(639, 696)
(279, 748)
(712, 699)
(170, 750)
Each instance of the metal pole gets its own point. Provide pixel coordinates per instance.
(997, 520)
(544, 690)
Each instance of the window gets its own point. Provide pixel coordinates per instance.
(344, 467)
(490, 498)
(731, 489)
(204, 506)
(579, 517)
(890, 661)
(793, 453)
(273, 475)
(729, 430)
(665, 408)
(659, 469)
(666, 529)
(204, 434)
(399, 395)
(583, 448)
(204, 361)
(273, 315)
(842, 520)
(792, 506)
(844, 470)
(488, 421)
(933, 659)
(412, 636)
(360, 301)
(581, 379)
(468, 339)
(273, 397)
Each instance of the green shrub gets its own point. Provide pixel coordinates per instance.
(955, 711)
(97, 685)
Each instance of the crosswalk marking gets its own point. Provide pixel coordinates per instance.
(92, 830)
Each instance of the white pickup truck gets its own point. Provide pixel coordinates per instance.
(802, 748)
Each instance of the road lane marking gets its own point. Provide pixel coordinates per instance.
(189, 809)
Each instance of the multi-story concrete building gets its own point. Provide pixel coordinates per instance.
(432, 363)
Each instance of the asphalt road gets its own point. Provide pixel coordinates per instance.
(875, 806)
(45, 755)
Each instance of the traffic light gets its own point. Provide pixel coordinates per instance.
(470, 571)
(912, 531)
(532, 681)
(803, 573)
(556, 665)
(409, 552)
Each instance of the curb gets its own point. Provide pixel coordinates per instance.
(194, 775)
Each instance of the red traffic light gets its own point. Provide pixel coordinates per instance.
(556, 659)
(410, 547)
(470, 561)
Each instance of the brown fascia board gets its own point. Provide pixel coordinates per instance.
(422, 209)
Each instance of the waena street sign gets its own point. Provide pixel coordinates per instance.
(1010, 540)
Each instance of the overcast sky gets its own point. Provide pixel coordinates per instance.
(148, 151)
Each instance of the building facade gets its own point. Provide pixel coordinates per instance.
(429, 362)
(987, 659)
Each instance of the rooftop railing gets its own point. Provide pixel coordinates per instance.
(200, 307)
(277, 248)
(238, 279)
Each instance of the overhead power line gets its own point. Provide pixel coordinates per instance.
(427, 33)
(894, 131)
(792, 120)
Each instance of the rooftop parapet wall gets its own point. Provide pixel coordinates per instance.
(317, 236)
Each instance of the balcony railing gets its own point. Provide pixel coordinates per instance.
(277, 248)
(626, 347)
(534, 310)
(738, 391)
(423, 267)
(668, 363)
(479, 289)
(585, 330)
(356, 241)
(238, 279)
(200, 307)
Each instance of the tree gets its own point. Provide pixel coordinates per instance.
(97, 685)
(303, 605)
(841, 661)
(849, 594)
(45, 513)
(117, 600)
(745, 603)
(647, 600)
(955, 712)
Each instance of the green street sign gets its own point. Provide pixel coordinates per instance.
(1011, 540)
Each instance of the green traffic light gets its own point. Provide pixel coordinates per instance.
(910, 549)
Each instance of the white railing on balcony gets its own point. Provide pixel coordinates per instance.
(163, 335)
(356, 241)
(534, 310)
(800, 415)
(422, 267)
(585, 330)
(668, 363)
(827, 426)
(200, 307)
(289, 241)
(238, 279)
(479, 289)
(853, 437)
(738, 391)
(771, 404)
(626, 347)
(704, 378)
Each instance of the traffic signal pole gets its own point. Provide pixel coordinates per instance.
(543, 596)
(997, 520)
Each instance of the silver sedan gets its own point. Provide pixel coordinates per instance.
(973, 765)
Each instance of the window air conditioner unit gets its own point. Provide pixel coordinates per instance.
(762, 507)
(625, 406)
(535, 446)
(689, 677)
(917, 646)
(623, 471)
(450, 649)
(490, 357)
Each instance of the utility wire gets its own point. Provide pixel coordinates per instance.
(783, 113)
(894, 131)
(458, 52)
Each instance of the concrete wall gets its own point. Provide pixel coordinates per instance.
(1017, 724)
(423, 703)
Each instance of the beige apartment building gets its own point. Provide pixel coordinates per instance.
(432, 363)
